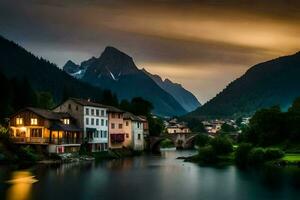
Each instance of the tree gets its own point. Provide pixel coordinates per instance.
(140, 106)
(202, 139)
(45, 100)
(109, 98)
(156, 126)
(227, 128)
(222, 145)
(196, 125)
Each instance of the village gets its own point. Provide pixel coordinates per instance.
(78, 121)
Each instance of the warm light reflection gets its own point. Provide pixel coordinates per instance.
(21, 184)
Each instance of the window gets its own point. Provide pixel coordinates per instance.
(87, 111)
(139, 136)
(92, 111)
(102, 112)
(97, 112)
(101, 134)
(119, 116)
(87, 121)
(76, 108)
(33, 121)
(66, 121)
(113, 115)
(127, 135)
(127, 123)
(105, 134)
(70, 107)
(102, 122)
(120, 126)
(92, 121)
(19, 121)
(36, 132)
(97, 122)
(106, 122)
(138, 125)
(112, 126)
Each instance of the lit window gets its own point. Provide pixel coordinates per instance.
(19, 121)
(66, 121)
(33, 121)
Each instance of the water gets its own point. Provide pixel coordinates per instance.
(147, 177)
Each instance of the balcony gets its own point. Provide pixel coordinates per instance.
(117, 138)
(30, 140)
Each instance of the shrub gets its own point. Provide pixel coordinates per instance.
(202, 140)
(242, 154)
(222, 145)
(256, 156)
(167, 143)
(208, 155)
(27, 154)
(273, 154)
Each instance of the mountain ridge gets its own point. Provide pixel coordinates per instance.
(273, 82)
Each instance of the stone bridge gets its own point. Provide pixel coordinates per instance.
(180, 140)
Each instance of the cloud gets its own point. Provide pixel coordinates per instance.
(201, 44)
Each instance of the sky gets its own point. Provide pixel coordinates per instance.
(201, 44)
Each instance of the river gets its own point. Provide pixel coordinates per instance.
(147, 177)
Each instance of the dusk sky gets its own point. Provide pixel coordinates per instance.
(203, 45)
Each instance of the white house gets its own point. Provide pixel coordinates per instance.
(92, 118)
(134, 131)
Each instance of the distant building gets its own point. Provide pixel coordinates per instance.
(92, 118)
(134, 131)
(57, 132)
(173, 127)
(116, 131)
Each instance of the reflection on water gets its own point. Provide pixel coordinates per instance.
(21, 184)
(148, 177)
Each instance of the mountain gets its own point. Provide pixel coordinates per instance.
(188, 101)
(116, 71)
(17, 63)
(275, 82)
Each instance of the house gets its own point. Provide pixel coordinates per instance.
(173, 127)
(92, 118)
(134, 131)
(56, 132)
(115, 128)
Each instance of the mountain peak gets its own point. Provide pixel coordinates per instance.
(112, 51)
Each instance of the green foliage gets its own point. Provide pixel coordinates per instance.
(27, 154)
(196, 125)
(242, 154)
(256, 156)
(45, 100)
(202, 139)
(156, 126)
(222, 145)
(273, 153)
(207, 155)
(227, 128)
(137, 106)
(108, 98)
(167, 143)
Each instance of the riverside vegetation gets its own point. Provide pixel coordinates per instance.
(272, 137)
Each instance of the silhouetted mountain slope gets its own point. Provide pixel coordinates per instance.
(275, 82)
(186, 99)
(116, 71)
(17, 63)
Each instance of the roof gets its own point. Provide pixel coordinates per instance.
(64, 127)
(128, 115)
(85, 102)
(47, 114)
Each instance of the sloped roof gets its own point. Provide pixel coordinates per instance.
(48, 114)
(128, 115)
(85, 102)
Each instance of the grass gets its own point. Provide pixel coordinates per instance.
(291, 157)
